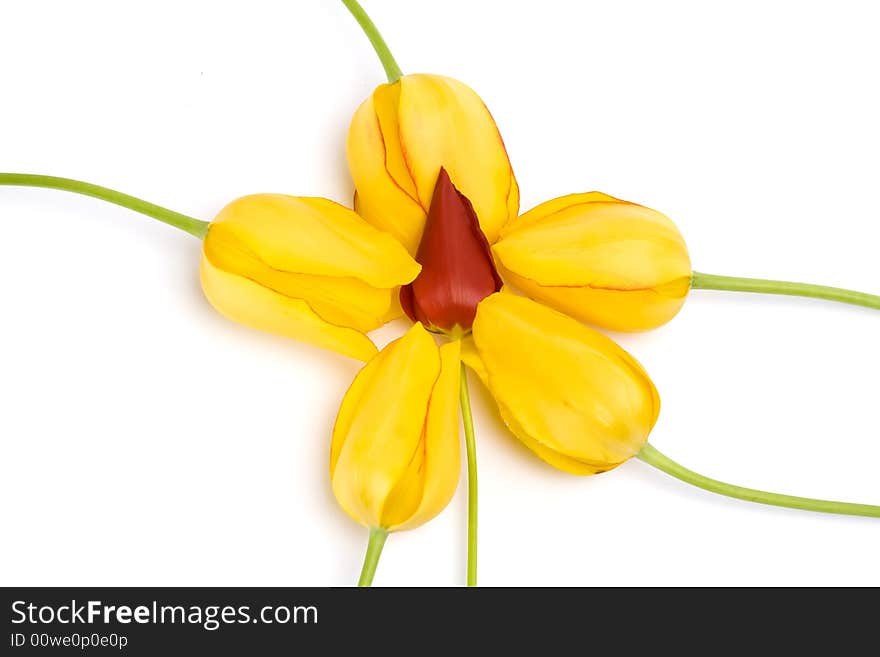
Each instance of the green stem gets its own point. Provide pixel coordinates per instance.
(651, 456)
(371, 558)
(392, 70)
(737, 284)
(192, 226)
(468, 421)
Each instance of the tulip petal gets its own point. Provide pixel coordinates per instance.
(568, 392)
(462, 138)
(315, 236)
(244, 301)
(405, 497)
(471, 357)
(440, 459)
(552, 207)
(386, 101)
(379, 439)
(343, 301)
(615, 264)
(388, 204)
(405, 132)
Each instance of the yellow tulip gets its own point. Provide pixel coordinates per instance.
(404, 133)
(569, 393)
(304, 268)
(604, 261)
(394, 459)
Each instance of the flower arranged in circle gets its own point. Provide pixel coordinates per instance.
(438, 229)
(436, 235)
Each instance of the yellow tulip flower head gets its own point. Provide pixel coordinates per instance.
(394, 459)
(304, 268)
(607, 262)
(404, 133)
(569, 393)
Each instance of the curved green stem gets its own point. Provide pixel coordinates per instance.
(652, 456)
(762, 286)
(371, 558)
(192, 226)
(392, 70)
(468, 421)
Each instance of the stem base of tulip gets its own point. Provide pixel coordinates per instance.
(371, 559)
(193, 226)
(650, 455)
(471, 447)
(701, 281)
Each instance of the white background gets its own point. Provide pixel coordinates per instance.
(147, 441)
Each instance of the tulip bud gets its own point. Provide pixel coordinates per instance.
(569, 393)
(401, 136)
(304, 268)
(457, 268)
(394, 460)
(604, 261)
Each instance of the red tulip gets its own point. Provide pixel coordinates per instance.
(457, 267)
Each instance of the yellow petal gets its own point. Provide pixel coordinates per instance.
(568, 392)
(463, 138)
(403, 134)
(615, 264)
(379, 435)
(342, 301)
(471, 357)
(310, 265)
(406, 495)
(440, 458)
(553, 206)
(395, 310)
(315, 236)
(386, 100)
(244, 301)
(389, 203)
